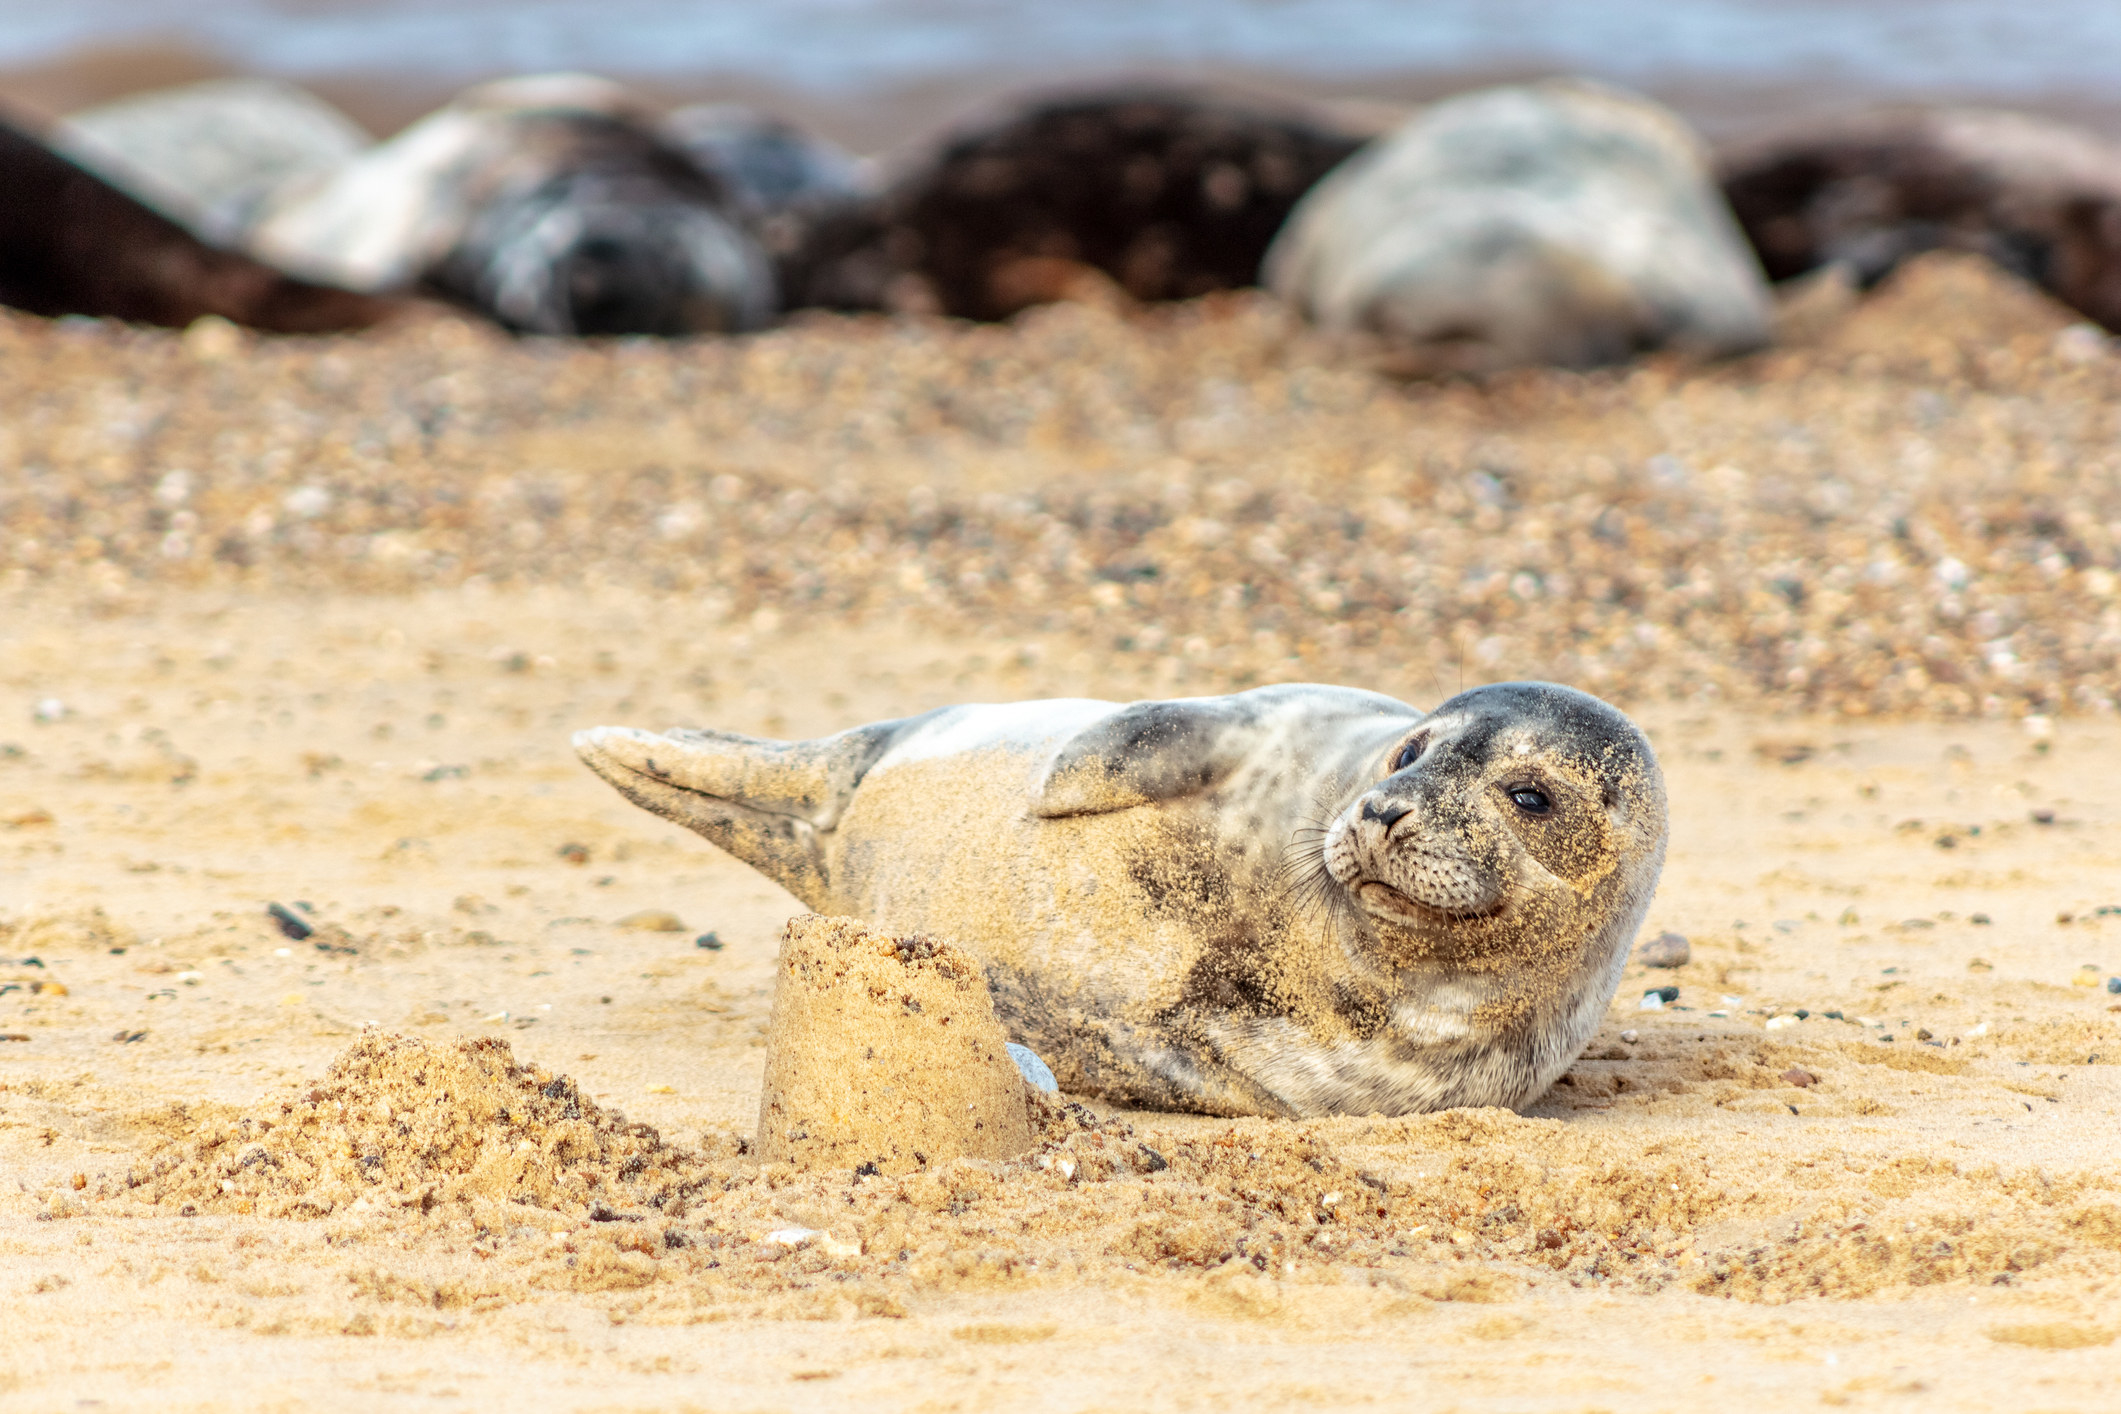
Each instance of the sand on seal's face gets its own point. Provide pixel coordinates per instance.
(884, 1054)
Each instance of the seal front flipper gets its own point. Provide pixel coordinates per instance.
(1146, 751)
(1156, 751)
(766, 802)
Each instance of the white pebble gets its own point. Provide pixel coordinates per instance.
(1778, 1023)
(1036, 1071)
(1652, 1002)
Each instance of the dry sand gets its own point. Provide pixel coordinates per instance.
(309, 623)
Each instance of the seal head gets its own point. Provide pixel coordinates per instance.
(1509, 824)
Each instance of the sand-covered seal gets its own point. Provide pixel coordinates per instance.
(1297, 900)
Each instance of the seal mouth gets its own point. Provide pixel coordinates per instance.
(1388, 902)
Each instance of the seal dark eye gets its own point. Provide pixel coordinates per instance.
(1408, 754)
(1530, 801)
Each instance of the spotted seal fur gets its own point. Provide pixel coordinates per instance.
(1298, 900)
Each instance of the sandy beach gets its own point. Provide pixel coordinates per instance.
(308, 623)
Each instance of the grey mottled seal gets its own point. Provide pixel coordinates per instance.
(552, 203)
(1298, 900)
(1562, 222)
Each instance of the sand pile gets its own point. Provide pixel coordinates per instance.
(884, 1055)
(1463, 1205)
(398, 1122)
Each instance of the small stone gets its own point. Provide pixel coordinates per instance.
(1631, 1037)
(1798, 1076)
(574, 853)
(289, 922)
(1780, 1023)
(2043, 817)
(710, 941)
(2113, 984)
(1665, 950)
(49, 709)
(653, 920)
(1658, 998)
(1980, 920)
(1036, 1071)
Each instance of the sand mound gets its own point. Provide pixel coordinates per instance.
(1462, 1205)
(398, 1122)
(884, 1052)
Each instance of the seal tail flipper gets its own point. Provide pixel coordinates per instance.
(766, 802)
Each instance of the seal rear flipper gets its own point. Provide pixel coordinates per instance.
(766, 802)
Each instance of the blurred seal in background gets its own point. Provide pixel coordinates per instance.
(1563, 222)
(72, 242)
(1866, 191)
(555, 204)
(1155, 192)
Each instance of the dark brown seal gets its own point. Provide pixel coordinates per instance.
(2040, 198)
(71, 243)
(1169, 193)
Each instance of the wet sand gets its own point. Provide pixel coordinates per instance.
(1860, 592)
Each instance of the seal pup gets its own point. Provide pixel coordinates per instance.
(1562, 223)
(1166, 192)
(1298, 900)
(1866, 191)
(553, 204)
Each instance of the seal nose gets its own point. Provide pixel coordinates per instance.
(1387, 817)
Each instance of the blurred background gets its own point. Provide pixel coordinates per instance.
(870, 73)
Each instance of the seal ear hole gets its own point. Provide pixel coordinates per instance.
(1530, 799)
(1410, 753)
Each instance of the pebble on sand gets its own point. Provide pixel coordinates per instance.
(1035, 1071)
(1658, 998)
(1665, 950)
(653, 920)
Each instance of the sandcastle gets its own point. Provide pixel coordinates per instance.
(884, 1052)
